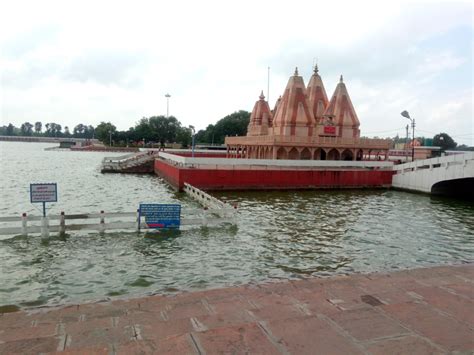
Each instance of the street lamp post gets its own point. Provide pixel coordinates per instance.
(167, 104)
(407, 115)
(192, 139)
(110, 138)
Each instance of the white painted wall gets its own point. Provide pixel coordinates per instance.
(267, 163)
(421, 175)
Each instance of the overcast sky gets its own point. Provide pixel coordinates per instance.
(92, 61)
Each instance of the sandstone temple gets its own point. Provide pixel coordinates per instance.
(305, 125)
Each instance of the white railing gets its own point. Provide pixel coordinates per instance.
(224, 210)
(101, 222)
(444, 161)
(272, 163)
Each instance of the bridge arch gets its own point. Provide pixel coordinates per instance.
(460, 188)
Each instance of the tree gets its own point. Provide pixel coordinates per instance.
(234, 124)
(79, 130)
(53, 129)
(444, 141)
(184, 136)
(105, 131)
(38, 127)
(26, 129)
(10, 131)
(89, 132)
(164, 129)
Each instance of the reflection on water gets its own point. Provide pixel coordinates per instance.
(280, 234)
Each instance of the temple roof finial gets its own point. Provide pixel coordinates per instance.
(316, 70)
(296, 72)
(262, 97)
(341, 80)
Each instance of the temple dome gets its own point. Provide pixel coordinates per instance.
(260, 118)
(341, 111)
(317, 97)
(293, 116)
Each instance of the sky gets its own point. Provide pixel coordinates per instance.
(91, 61)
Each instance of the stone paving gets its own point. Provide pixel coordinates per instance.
(421, 311)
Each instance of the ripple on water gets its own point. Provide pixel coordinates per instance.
(279, 235)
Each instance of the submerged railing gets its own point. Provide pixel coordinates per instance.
(224, 210)
(101, 222)
(215, 212)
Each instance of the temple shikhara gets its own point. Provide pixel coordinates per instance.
(305, 125)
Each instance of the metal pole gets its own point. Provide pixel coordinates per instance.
(268, 86)
(193, 145)
(167, 104)
(44, 209)
(413, 142)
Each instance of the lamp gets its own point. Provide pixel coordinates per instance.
(407, 115)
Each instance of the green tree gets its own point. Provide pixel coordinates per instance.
(53, 129)
(10, 131)
(164, 129)
(444, 141)
(26, 129)
(89, 132)
(78, 130)
(105, 132)
(184, 136)
(234, 124)
(38, 127)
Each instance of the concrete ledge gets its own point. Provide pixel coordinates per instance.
(415, 311)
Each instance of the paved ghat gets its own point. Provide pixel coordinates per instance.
(416, 311)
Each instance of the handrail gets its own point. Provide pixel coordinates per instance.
(207, 218)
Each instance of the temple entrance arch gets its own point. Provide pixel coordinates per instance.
(305, 154)
(293, 154)
(319, 154)
(333, 155)
(281, 153)
(347, 155)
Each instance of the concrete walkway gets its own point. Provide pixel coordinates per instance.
(418, 311)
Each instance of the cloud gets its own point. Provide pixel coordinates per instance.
(108, 67)
(94, 61)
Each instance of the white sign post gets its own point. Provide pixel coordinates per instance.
(42, 193)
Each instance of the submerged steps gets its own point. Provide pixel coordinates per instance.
(142, 162)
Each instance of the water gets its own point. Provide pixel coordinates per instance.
(280, 235)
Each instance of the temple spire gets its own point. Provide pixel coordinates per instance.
(318, 100)
(261, 97)
(341, 80)
(296, 72)
(341, 109)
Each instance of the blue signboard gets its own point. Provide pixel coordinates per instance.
(161, 215)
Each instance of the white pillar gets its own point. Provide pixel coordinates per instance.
(24, 225)
(44, 227)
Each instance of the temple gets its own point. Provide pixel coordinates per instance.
(305, 125)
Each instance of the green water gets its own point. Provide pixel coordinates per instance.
(279, 235)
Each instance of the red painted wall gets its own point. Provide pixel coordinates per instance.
(212, 179)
